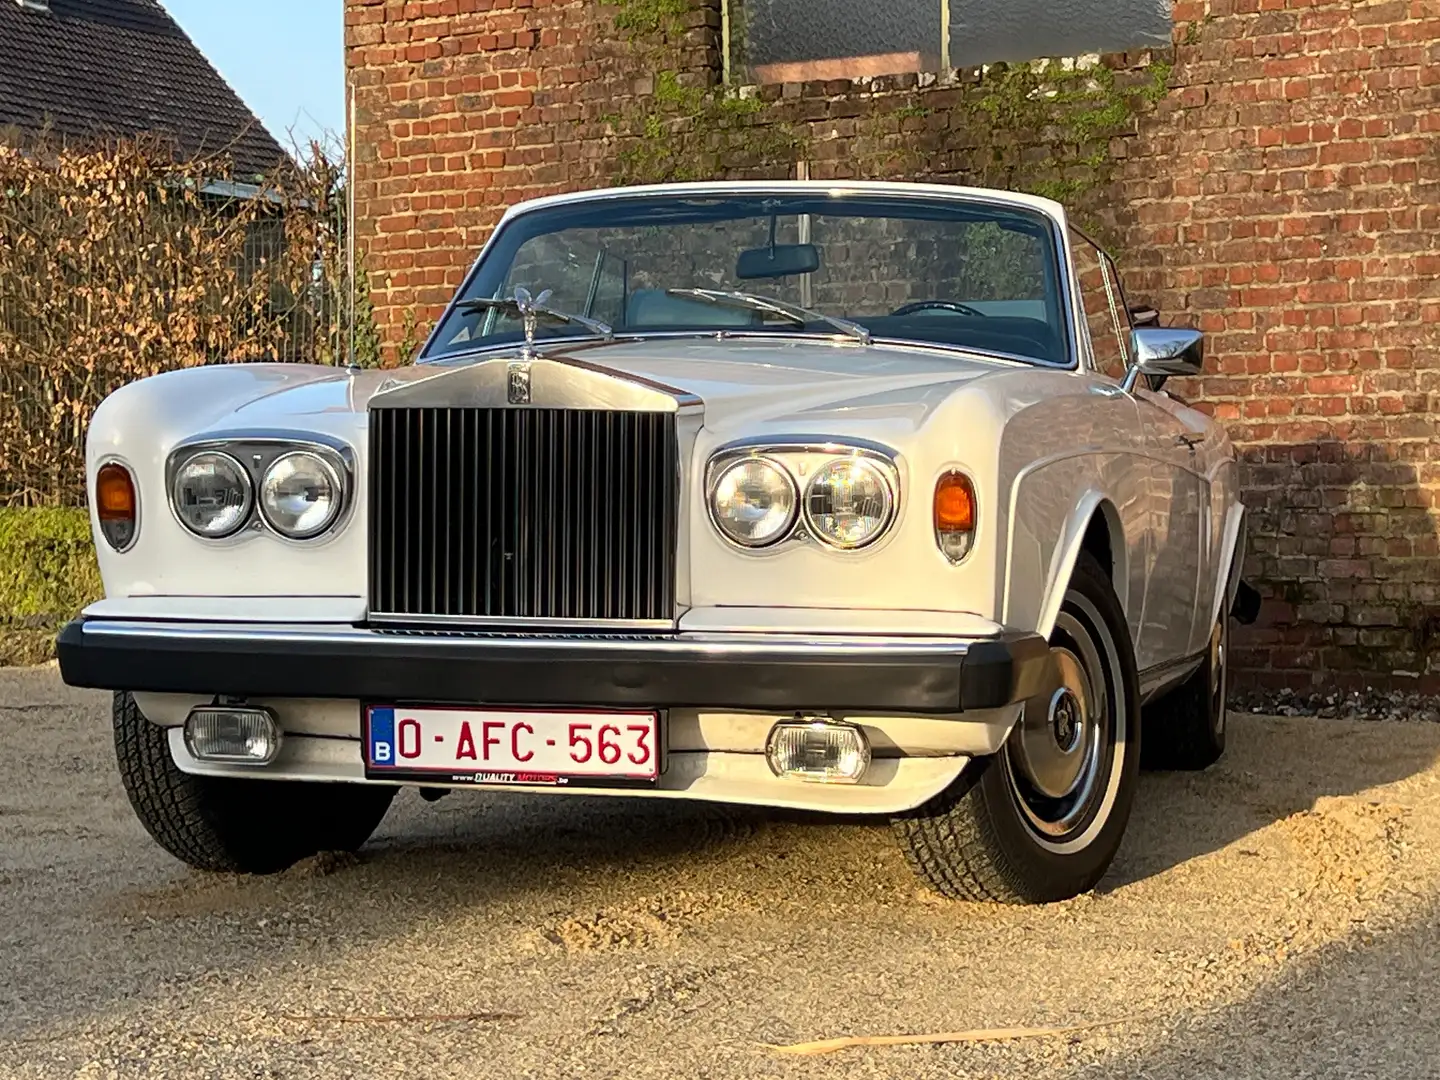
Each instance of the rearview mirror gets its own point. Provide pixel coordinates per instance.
(1164, 351)
(778, 260)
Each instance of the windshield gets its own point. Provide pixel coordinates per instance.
(946, 271)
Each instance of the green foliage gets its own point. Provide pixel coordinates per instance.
(642, 17)
(687, 130)
(410, 340)
(692, 133)
(47, 574)
(1044, 127)
(368, 347)
(1073, 110)
(1159, 85)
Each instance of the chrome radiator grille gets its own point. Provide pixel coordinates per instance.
(499, 514)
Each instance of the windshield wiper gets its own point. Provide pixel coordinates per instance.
(533, 310)
(794, 312)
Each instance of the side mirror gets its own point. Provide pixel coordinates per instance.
(1163, 351)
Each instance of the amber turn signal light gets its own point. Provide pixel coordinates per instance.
(116, 505)
(954, 515)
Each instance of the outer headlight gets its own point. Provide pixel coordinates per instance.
(300, 495)
(212, 495)
(754, 502)
(849, 503)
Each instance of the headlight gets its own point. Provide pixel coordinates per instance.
(754, 502)
(212, 495)
(300, 495)
(849, 503)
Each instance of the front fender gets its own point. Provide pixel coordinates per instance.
(1052, 507)
(1092, 504)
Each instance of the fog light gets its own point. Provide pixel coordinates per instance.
(819, 751)
(224, 733)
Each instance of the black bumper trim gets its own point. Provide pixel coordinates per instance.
(744, 672)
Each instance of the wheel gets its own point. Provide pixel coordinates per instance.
(1041, 820)
(1185, 730)
(237, 826)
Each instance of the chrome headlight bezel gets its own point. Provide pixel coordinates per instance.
(337, 485)
(801, 459)
(245, 483)
(257, 453)
(887, 490)
(787, 480)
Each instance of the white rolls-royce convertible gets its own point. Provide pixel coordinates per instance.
(860, 498)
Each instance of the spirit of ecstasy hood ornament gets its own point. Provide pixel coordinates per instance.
(532, 311)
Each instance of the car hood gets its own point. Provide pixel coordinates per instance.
(744, 385)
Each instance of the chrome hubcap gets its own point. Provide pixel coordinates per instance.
(1059, 760)
(1054, 743)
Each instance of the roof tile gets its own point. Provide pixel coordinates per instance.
(97, 68)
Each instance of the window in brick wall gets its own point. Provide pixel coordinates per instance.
(806, 40)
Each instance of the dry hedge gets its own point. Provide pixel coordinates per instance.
(123, 262)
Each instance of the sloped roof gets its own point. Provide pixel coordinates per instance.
(95, 68)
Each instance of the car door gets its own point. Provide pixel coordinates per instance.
(1178, 603)
(1177, 492)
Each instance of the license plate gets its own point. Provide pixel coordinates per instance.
(498, 746)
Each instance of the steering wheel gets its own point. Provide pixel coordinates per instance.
(938, 305)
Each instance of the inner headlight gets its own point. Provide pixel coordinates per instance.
(754, 502)
(849, 503)
(212, 495)
(300, 495)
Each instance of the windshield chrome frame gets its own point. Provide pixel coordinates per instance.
(1068, 301)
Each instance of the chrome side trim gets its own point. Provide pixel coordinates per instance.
(680, 644)
(1156, 680)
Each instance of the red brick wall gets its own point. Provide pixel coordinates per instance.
(1284, 196)
(464, 107)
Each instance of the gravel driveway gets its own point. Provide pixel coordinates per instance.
(1273, 917)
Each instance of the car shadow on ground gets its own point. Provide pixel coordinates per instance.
(1357, 1007)
(1272, 769)
(1313, 511)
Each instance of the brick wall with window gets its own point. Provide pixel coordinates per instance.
(1284, 196)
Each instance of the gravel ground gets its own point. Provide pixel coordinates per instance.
(1273, 917)
(1369, 704)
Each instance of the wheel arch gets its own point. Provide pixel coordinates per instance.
(1232, 560)
(1095, 526)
